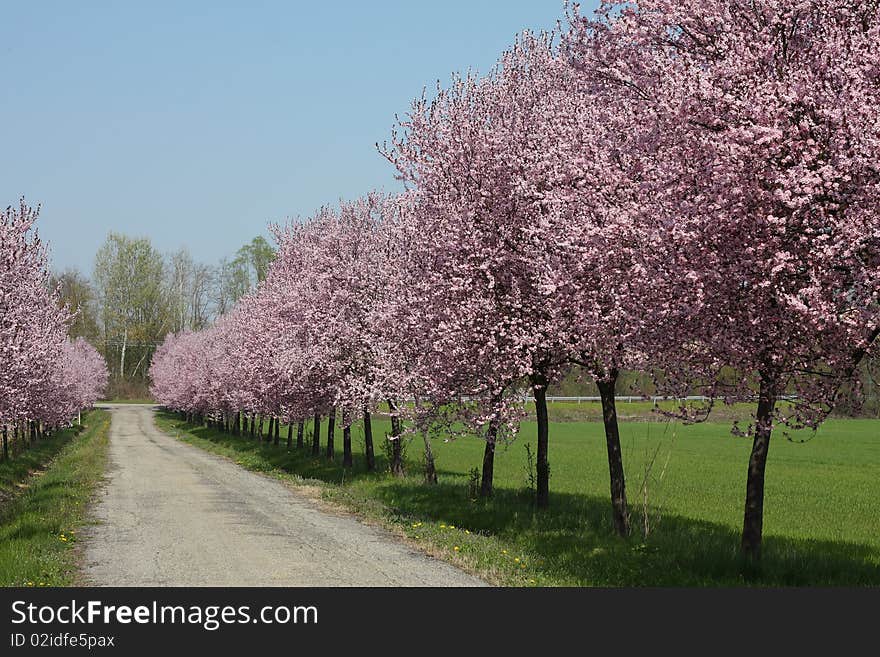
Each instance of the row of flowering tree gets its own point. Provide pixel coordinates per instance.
(46, 379)
(689, 189)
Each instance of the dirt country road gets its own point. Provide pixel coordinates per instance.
(173, 515)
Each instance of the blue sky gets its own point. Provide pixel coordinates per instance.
(197, 123)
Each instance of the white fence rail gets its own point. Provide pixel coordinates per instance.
(636, 398)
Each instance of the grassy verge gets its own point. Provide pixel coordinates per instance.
(40, 520)
(685, 487)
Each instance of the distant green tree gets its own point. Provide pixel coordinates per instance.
(188, 287)
(76, 292)
(237, 276)
(133, 306)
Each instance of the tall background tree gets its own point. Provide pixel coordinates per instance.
(76, 292)
(133, 307)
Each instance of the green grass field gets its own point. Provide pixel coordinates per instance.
(822, 508)
(47, 490)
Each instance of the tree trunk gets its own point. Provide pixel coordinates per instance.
(397, 466)
(619, 511)
(237, 423)
(331, 428)
(253, 425)
(430, 469)
(753, 519)
(260, 428)
(368, 441)
(489, 460)
(271, 429)
(277, 439)
(347, 460)
(542, 498)
(316, 436)
(290, 435)
(122, 356)
(300, 430)
(5, 443)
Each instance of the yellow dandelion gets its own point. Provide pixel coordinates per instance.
(516, 559)
(503, 551)
(466, 531)
(442, 526)
(451, 526)
(531, 581)
(456, 548)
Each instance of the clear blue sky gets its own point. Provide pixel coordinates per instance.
(197, 123)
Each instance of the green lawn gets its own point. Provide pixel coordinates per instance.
(47, 490)
(822, 511)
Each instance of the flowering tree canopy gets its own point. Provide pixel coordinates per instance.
(44, 377)
(766, 129)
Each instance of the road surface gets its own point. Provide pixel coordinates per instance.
(173, 515)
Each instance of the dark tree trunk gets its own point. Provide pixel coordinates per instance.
(238, 423)
(489, 460)
(368, 441)
(397, 466)
(5, 444)
(316, 436)
(753, 520)
(430, 469)
(277, 439)
(619, 511)
(542, 498)
(347, 460)
(244, 424)
(290, 435)
(270, 430)
(300, 431)
(253, 425)
(331, 428)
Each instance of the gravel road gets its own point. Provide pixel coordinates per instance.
(173, 515)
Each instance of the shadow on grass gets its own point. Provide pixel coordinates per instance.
(33, 457)
(572, 539)
(264, 456)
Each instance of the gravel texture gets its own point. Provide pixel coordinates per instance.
(171, 514)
